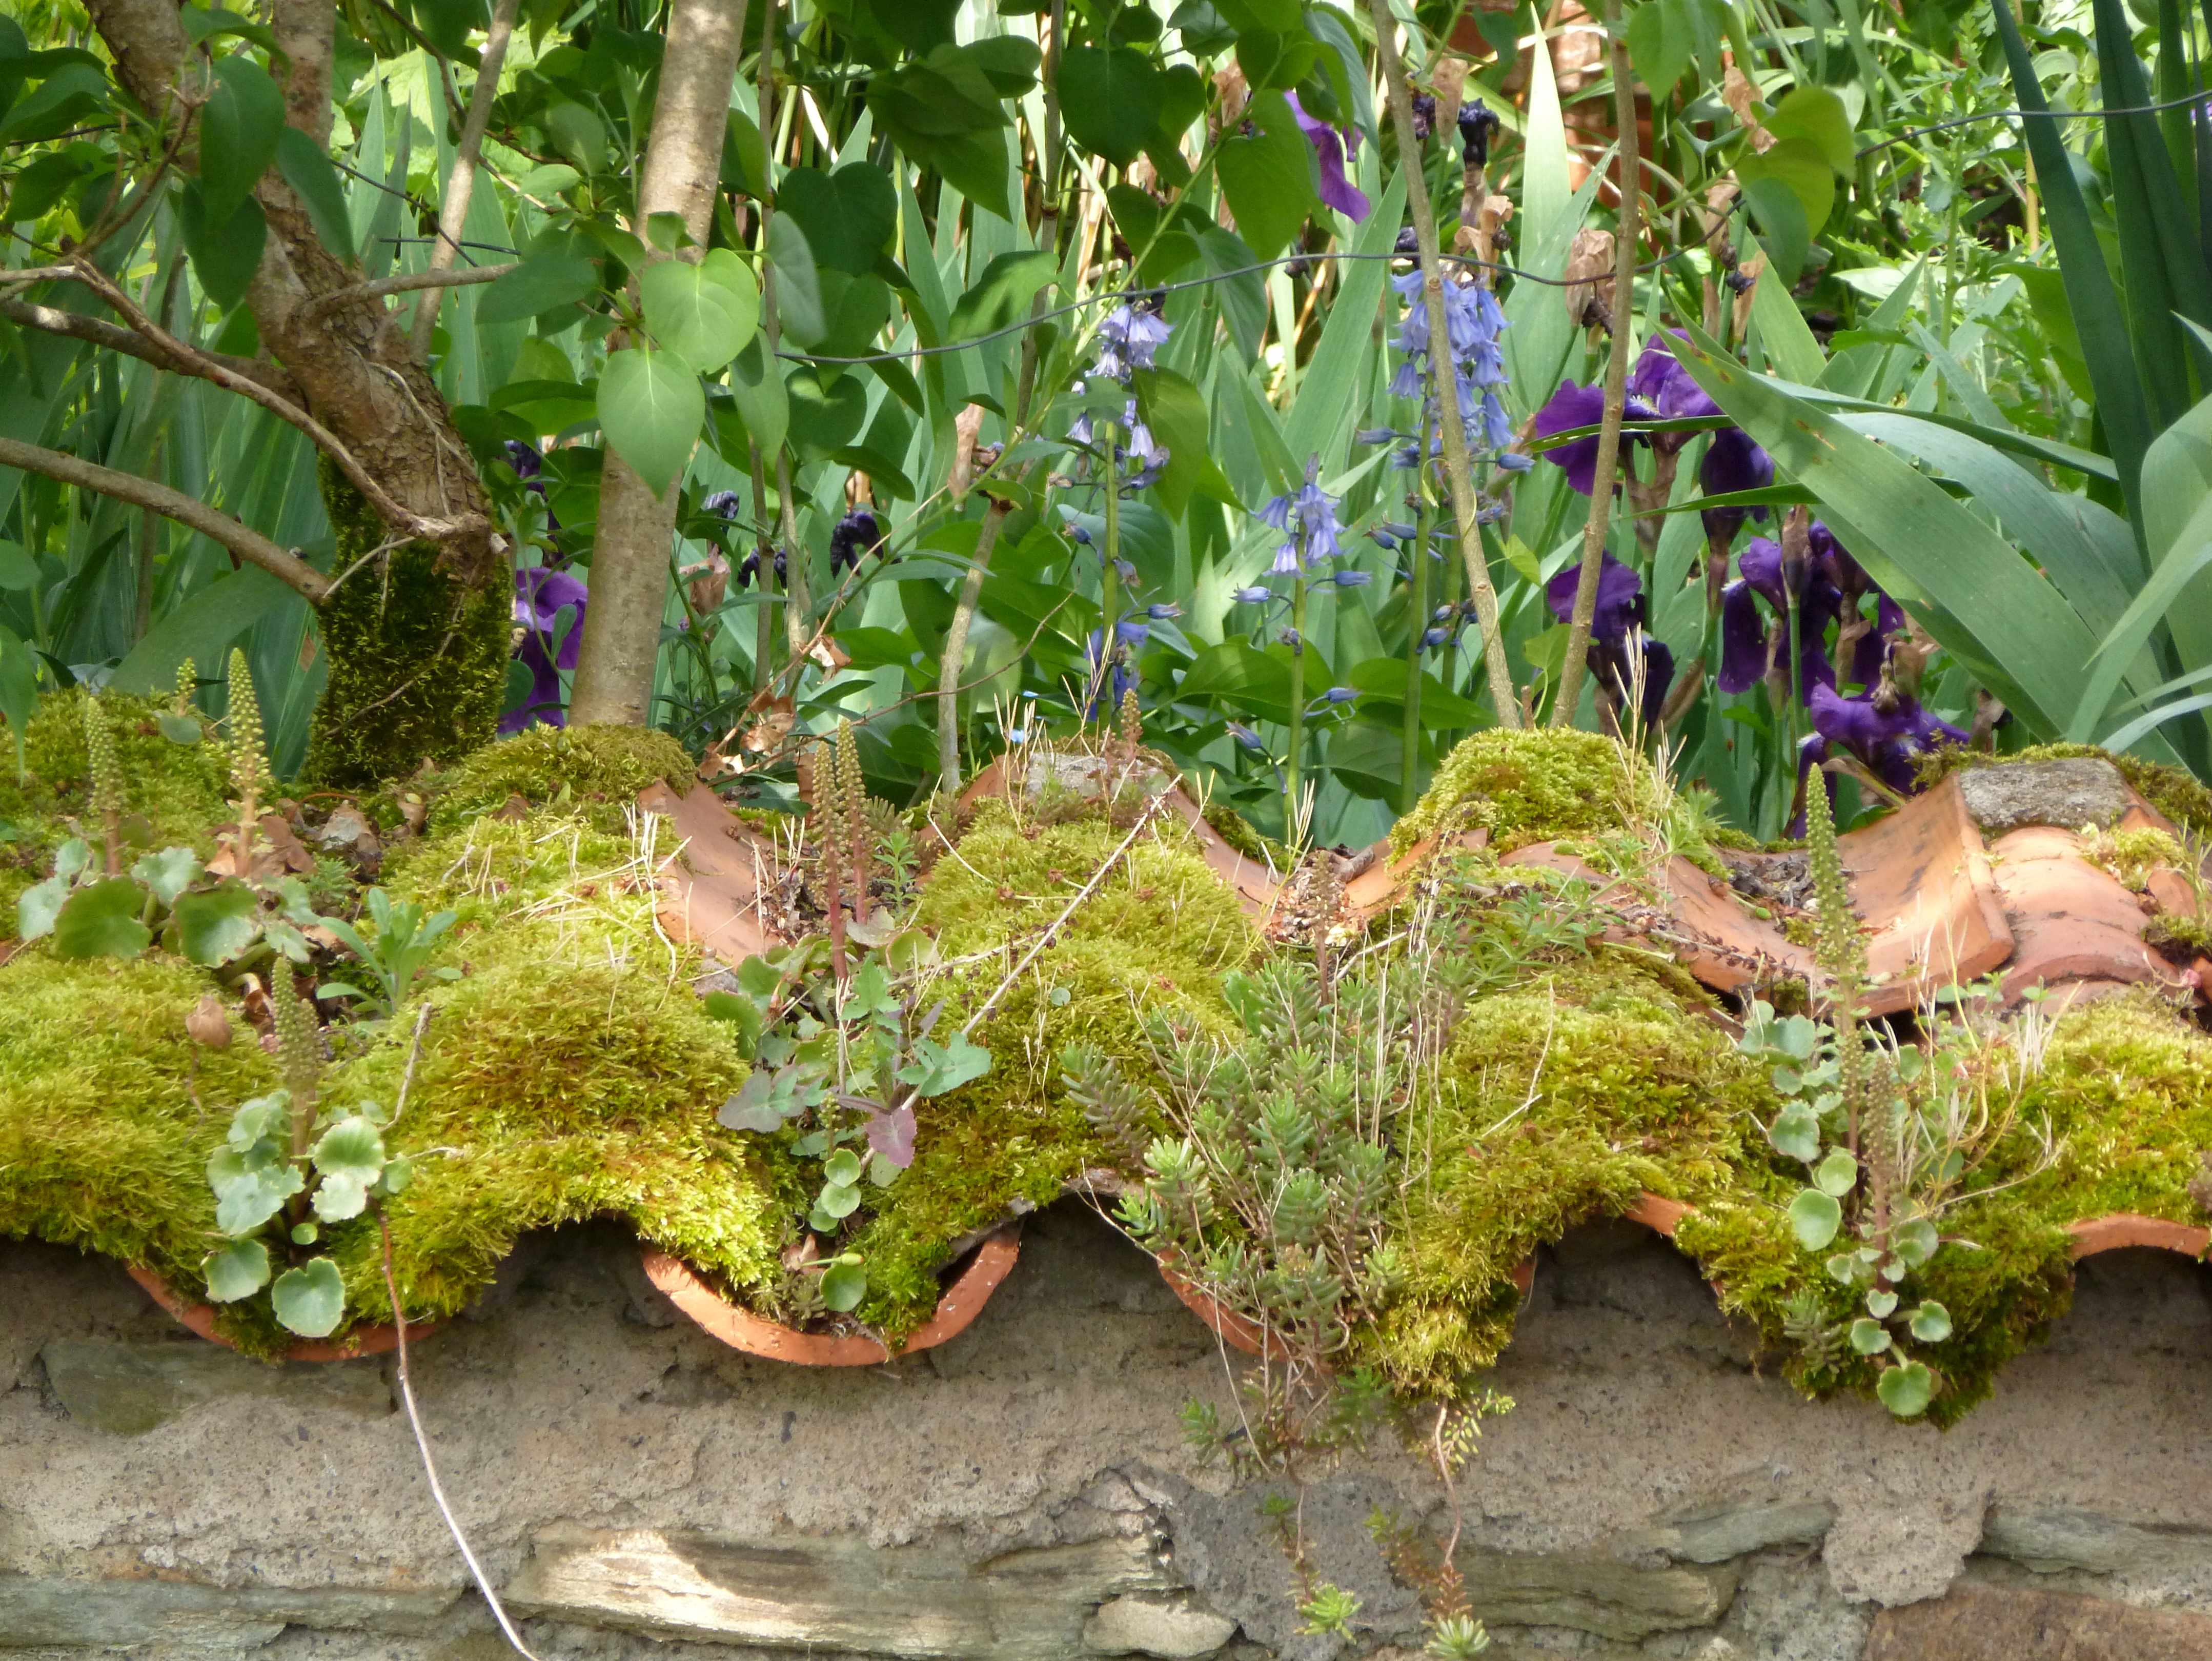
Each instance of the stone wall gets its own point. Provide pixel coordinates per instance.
(1022, 1494)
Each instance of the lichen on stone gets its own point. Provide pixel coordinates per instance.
(2172, 790)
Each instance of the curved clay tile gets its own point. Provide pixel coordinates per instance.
(716, 881)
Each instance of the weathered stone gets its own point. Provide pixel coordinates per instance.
(1714, 1534)
(1902, 1548)
(1593, 1594)
(2068, 794)
(1155, 1626)
(2050, 1541)
(1986, 1623)
(115, 1611)
(838, 1594)
(130, 1388)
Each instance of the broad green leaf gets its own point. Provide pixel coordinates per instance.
(1783, 334)
(315, 182)
(756, 386)
(1796, 1134)
(1110, 100)
(843, 1286)
(1974, 593)
(310, 1299)
(1914, 1241)
(202, 628)
(546, 282)
(1315, 423)
(839, 1200)
(2093, 300)
(1001, 296)
(1816, 115)
(698, 319)
(797, 291)
(1661, 40)
(1931, 1323)
(225, 252)
(249, 1189)
(937, 1068)
(18, 571)
(1267, 176)
(1815, 1217)
(101, 920)
(1838, 1174)
(848, 215)
(1905, 1389)
(167, 873)
(348, 1157)
(1798, 165)
(182, 730)
(240, 125)
(214, 927)
(1177, 414)
(37, 907)
(238, 1270)
(651, 406)
(842, 1168)
(1869, 1336)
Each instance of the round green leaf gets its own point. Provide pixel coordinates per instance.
(240, 125)
(310, 1299)
(19, 570)
(37, 907)
(1110, 101)
(1796, 1134)
(1267, 175)
(1869, 1337)
(1880, 1304)
(1817, 115)
(1931, 1323)
(238, 1270)
(1905, 1389)
(183, 730)
(842, 1167)
(651, 406)
(546, 282)
(249, 1188)
(1914, 1241)
(1816, 1217)
(848, 215)
(1838, 1174)
(306, 1234)
(167, 873)
(102, 921)
(349, 1156)
(843, 1286)
(214, 927)
(694, 316)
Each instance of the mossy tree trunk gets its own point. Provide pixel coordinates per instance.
(416, 652)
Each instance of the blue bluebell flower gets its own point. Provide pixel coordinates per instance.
(1308, 521)
(1244, 735)
(1255, 595)
(1352, 579)
(1129, 338)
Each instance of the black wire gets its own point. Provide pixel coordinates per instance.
(2194, 99)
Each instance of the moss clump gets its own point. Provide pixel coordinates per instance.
(2131, 855)
(1561, 1098)
(102, 1145)
(1156, 937)
(2174, 791)
(416, 654)
(1523, 786)
(179, 790)
(594, 771)
(1231, 826)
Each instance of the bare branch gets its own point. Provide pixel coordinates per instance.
(406, 283)
(461, 182)
(31, 274)
(114, 337)
(249, 544)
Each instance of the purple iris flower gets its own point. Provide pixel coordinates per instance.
(1886, 741)
(1620, 598)
(1574, 406)
(851, 537)
(540, 597)
(1332, 151)
(1617, 638)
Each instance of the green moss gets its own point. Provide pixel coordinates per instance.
(179, 790)
(2174, 791)
(596, 771)
(1560, 1099)
(2131, 855)
(1230, 826)
(1523, 786)
(102, 1143)
(1157, 936)
(570, 1073)
(417, 655)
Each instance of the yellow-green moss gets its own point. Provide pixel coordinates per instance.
(601, 768)
(1157, 935)
(1231, 826)
(179, 790)
(1560, 1099)
(1523, 786)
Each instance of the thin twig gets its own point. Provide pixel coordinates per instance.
(407, 283)
(407, 1078)
(430, 1466)
(461, 181)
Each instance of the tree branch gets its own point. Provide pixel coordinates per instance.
(408, 282)
(461, 182)
(242, 540)
(114, 337)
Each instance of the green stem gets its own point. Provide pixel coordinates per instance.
(1417, 611)
(1109, 570)
(1298, 707)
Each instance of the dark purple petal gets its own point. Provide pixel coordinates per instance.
(1620, 598)
(1574, 406)
(1743, 639)
(1761, 562)
(1330, 151)
(540, 597)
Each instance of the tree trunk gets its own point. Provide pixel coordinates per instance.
(416, 643)
(630, 559)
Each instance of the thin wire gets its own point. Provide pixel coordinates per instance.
(2193, 100)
